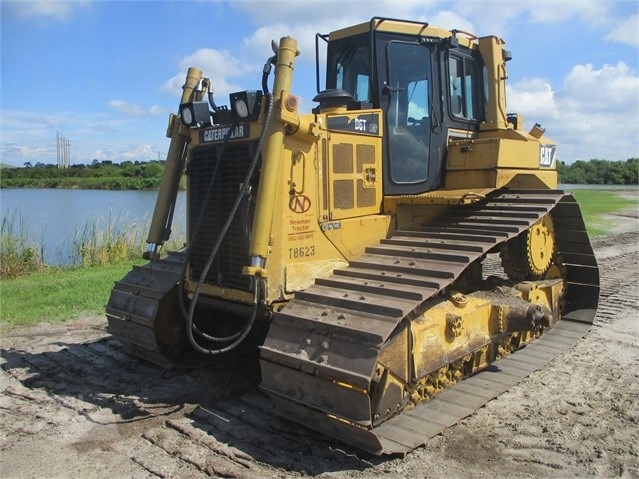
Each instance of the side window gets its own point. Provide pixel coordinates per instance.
(363, 88)
(352, 72)
(455, 88)
(465, 93)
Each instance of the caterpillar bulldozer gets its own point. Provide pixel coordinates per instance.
(349, 244)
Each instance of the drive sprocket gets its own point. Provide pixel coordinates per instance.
(530, 255)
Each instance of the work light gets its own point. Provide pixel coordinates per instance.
(246, 105)
(195, 114)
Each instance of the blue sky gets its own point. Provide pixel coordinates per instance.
(106, 74)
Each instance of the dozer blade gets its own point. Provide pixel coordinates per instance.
(320, 356)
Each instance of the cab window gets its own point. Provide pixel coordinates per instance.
(407, 94)
(465, 92)
(352, 72)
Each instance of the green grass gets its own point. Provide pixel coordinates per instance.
(58, 294)
(596, 203)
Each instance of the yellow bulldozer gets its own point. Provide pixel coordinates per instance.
(350, 244)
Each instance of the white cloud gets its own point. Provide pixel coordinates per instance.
(100, 155)
(494, 17)
(139, 152)
(118, 153)
(51, 9)
(32, 137)
(594, 114)
(21, 153)
(214, 61)
(219, 65)
(626, 32)
(489, 18)
(308, 18)
(221, 86)
(552, 11)
(610, 88)
(534, 97)
(135, 111)
(48, 120)
(451, 20)
(501, 18)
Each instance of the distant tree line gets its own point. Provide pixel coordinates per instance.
(106, 175)
(600, 172)
(98, 175)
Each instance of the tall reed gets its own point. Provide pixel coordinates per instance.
(118, 239)
(99, 242)
(20, 253)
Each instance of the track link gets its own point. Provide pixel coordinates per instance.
(325, 386)
(140, 301)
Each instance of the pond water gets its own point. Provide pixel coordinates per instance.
(54, 217)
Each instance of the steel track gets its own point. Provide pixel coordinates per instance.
(138, 299)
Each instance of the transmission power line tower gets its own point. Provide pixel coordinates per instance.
(64, 151)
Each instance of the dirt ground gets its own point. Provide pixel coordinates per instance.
(73, 404)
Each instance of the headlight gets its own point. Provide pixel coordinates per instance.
(195, 114)
(187, 116)
(246, 104)
(241, 108)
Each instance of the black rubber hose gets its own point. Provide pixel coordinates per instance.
(239, 336)
(200, 218)
(212, 101)
(190, 326)
(265, 73)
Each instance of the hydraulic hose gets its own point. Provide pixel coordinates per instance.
(238, 337)
(198, 222)
(266, 72)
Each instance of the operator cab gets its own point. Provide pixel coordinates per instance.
(428, 87)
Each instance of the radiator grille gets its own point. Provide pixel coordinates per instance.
(226, 270)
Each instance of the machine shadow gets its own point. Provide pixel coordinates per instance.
(221, 399)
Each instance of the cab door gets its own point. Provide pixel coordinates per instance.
(414, 136)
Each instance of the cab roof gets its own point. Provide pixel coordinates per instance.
(408, 27)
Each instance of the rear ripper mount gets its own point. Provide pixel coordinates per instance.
(322, 355)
